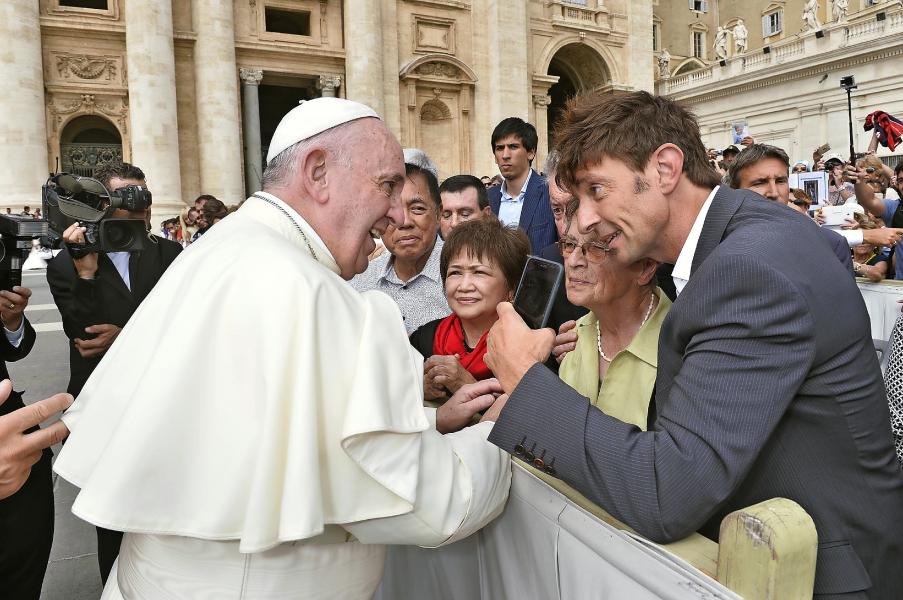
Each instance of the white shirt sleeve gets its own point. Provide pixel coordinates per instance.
(15, 337)
(463, 485)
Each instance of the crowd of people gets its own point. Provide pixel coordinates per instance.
(683, 374)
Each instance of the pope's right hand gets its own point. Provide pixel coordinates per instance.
(471, 399)
(86, 266)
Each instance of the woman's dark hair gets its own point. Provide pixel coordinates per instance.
(487, 239)
(213, 209)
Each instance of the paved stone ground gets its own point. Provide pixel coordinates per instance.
(72, 573)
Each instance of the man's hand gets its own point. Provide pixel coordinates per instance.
(106, 335)
(513, 347)
(465, 403)
(447, 372)
(886, 236)
(18, 451)
(565, 341)
(852, 174)
(86, 266)
(747, 141)
(13, 306)
(496, 409)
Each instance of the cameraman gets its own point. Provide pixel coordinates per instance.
(96, 295)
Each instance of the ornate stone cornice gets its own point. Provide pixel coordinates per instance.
(250, 76)
(61, 108)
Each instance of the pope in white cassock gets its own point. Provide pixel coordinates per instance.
(295, 444)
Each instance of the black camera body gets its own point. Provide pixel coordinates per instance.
(16, 235)
(69, 198)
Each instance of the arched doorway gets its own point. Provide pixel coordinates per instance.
(579, 68)
(88, 142)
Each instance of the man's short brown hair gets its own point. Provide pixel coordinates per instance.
(119, 170)
(628, 126)
(488, 239)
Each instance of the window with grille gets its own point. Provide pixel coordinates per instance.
(772, 23)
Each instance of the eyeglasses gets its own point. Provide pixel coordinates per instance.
(593, 251)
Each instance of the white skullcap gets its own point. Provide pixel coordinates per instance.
(418, 158)
(315, 116)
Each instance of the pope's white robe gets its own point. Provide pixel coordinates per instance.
(294, 413)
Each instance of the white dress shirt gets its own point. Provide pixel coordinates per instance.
(684, 263)
(121, 262)
(511, 207)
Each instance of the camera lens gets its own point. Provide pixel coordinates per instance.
(119, 236)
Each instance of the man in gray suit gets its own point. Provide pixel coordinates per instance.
(762, 391)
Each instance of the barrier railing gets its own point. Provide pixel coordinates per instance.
(550, 544)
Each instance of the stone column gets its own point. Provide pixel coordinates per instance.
(250, 82)
(541, 103)
(328, 84)
(364, 53)
(23, 129)
(219, 142)
(152, 101)
(639, 72)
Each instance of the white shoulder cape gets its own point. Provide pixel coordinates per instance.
(261, 428)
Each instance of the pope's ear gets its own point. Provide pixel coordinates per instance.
(314, 175)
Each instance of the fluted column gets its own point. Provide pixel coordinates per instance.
(23, 129)
(328, 84)
(541, 104)
(217, 100)
(364, 53)
(250, 82)
(154, 127)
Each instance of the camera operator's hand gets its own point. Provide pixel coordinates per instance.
(886, 236)
(86, 266)
(13, 306)
(106, 335)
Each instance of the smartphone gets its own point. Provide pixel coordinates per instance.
(823, 149)
(537, 291)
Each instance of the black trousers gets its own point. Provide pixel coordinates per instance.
(108, 542)
(26, 534)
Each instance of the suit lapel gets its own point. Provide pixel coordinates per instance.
(495, 199)
(108, 272)
(531, 200)
(724, 206)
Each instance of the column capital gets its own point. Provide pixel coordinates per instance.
(250, 76)
(329, 82)
(541, 100)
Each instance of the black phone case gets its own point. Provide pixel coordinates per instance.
(550, 300)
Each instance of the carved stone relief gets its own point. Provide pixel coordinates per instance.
(87, 67)
(61, 107)
(439, 69)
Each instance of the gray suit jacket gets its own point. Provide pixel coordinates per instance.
(763, 390)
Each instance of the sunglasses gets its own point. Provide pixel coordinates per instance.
(593, 251)
(801, 203)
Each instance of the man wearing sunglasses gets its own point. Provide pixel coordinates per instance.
(764, 169)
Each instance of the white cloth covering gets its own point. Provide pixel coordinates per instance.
(298, 407)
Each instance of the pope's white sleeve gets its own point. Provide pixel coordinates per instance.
(853, 236)
(462, 485)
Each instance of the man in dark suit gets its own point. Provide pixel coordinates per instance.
(765, 170)
(96, 295)
(759, 394)
(26, 487)
(523, 198)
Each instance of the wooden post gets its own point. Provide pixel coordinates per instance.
(768, 551)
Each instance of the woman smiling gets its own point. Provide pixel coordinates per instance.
(481, 263)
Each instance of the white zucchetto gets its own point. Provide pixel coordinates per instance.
(312, 117)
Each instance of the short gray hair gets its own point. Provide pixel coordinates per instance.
(418, 158)
(336, 142)
(551, 165)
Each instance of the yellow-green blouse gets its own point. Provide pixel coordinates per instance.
(630, 379)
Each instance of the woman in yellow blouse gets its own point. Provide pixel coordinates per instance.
(615, 358)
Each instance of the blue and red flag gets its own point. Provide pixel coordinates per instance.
(888, 127)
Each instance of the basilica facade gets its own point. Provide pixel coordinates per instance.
(192, 90)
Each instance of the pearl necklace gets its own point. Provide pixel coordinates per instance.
(599, 331)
